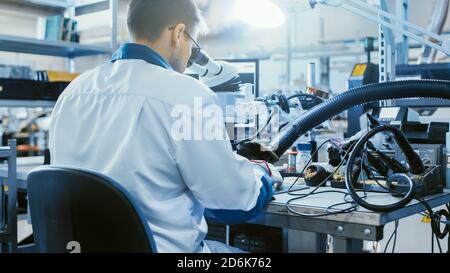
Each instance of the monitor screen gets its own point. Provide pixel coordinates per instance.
(248, 72)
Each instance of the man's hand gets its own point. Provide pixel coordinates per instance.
(272, 172)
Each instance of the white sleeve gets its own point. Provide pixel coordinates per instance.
(216, 176)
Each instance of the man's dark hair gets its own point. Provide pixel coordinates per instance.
(148, 18)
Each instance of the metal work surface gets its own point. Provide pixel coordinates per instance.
(8, 206)
(51, 48)
(318, 204)
(362, 224)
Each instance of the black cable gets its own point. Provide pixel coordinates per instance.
(307, 165)
(388, 190)
(395, 237)
(432, 242)
(437, 221)
(332, 174)
(329, 209)
(324, 181)
(363, 169)
(373, 122)
(350, 209)
(304, 95)
(389, 242)
(430, 214)
(436, 218)
(439, 245)
(259, 132)
(349, 172)
(392, 163)
(435, 228)
(365, 155)
(394, 234)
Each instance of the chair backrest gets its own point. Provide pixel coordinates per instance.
(79, 210)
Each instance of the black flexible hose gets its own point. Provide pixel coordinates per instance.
(362, 95)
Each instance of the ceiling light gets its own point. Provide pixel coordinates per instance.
(259, 13)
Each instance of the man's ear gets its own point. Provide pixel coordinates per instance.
(178, 33)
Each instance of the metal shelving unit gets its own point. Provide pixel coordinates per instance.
(49, 48)
(68, 50)
(27, 103)
(8, 206)
(63, 49)
(55, 5)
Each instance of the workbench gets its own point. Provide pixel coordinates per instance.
(348, 230)
(24, 166)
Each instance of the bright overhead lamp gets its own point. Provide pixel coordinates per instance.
(259, 13)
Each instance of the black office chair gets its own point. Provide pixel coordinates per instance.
(78, 210)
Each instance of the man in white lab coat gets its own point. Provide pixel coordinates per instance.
(122, 119)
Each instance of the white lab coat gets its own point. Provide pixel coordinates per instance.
(116, 120)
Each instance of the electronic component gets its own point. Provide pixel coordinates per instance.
(416, 168)
(14, 89)
(328, 109)
(425, 184)
(362, 74)
(248, 237)
(307, 101)
(56, 76)
(315, 175)
(425, 133)
(401, 114)
(433, 156)
(423, 178)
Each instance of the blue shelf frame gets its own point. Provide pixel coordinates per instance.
(6, 103)
(49, 48)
